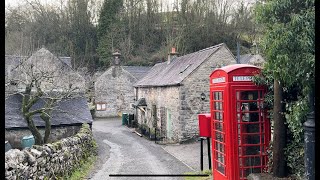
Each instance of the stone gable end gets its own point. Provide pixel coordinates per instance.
(196, 83)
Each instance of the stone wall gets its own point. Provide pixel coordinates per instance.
(14, 136)
(167, 102)
(50, 161)
(115, 89)
(193, 86)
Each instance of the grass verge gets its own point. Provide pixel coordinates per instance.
(209, 172)
(84, 169)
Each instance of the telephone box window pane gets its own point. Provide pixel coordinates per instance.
(218, 105)
(219, 137)
(220, 168)
(251, 139)
(219, 126)
(249, 106)
(262, 127)
(246, 173)
(250, 117)
(218, 116)
(249, 95)
(220, 158)
(250, 128)
(251, 161)
(251, 150)
(217, 96)
(251, 170)
(219, 147)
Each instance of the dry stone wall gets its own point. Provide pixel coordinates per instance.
(50, 161)
(14, 136)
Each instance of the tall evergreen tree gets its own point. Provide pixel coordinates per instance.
(107, 28)
(289, 47)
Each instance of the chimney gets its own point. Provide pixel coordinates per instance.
(172, 55)
(116, 58)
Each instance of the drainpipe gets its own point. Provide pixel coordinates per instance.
(136, 116)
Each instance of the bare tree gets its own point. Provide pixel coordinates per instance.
(39, 81)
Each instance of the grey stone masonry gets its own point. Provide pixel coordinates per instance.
(114, 89)
(50, 161)
(166, 100)
(190, 93)
(178, 104)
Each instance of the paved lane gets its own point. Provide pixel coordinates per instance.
(124, 152)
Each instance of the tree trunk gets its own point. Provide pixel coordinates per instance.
(47, 121)
(279, 133)
(34, 130)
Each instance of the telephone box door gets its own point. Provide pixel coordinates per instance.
(218, 105)
(252, 129)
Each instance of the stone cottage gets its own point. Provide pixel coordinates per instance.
(253, 59)
(56, 76)
(60, 71)
(114, 91)
(173, 93)
(67, 119)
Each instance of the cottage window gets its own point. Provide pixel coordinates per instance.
(100, 106)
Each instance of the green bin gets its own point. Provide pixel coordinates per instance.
(27, 141)
(8, 146)
(125, 118)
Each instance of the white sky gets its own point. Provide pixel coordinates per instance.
(16, 2)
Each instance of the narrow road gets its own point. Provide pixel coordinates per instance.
(122, 152)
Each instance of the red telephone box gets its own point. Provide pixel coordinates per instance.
(240, 128)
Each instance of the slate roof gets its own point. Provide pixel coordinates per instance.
(67, 112)
(45, 55)
(248, 58)
(164, 74)
(12, 61)
(137, 71)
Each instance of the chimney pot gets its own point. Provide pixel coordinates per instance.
(116, 58)
(173, 50)
(172, 54)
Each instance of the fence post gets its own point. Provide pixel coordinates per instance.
(209, 152)
(201, 153)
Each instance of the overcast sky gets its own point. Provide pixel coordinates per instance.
(15, 2)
